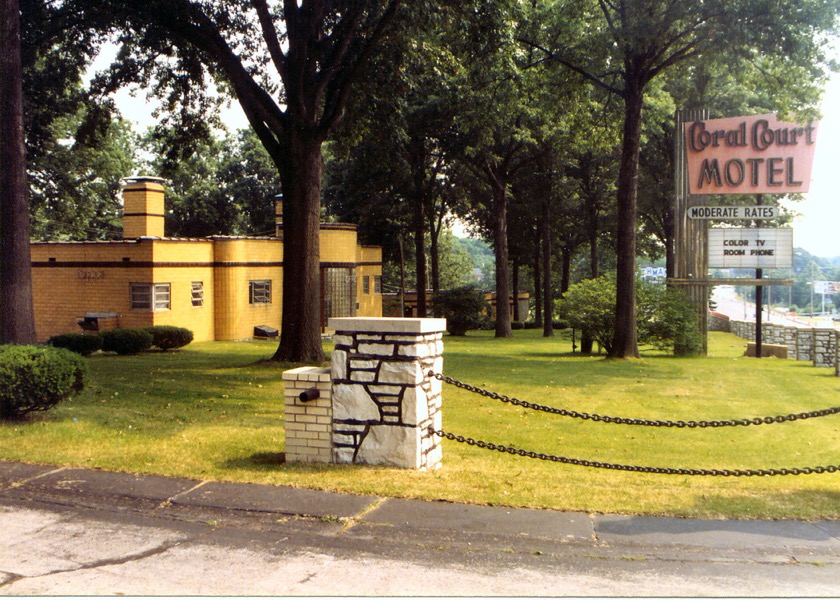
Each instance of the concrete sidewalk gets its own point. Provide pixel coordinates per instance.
(69, 531)
(120, 491)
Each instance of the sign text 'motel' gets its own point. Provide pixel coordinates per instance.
(749, 155)
(733, 212)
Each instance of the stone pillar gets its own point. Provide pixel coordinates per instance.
(383, 399)
(837, 353)
(308, 423)
(804, 344)
(823, 347)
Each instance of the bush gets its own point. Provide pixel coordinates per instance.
(80, 343)
(671, 321)
(464, 309)
(167, 337)
(665, 319)
(126, 341)
(517, 325)
(589, 306)
(34, 378)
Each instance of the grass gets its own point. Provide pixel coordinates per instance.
(215, 411)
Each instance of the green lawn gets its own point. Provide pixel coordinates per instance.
(215, 411)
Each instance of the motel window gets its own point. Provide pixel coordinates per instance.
(150, 296)
(259, 292)
(197, 290)
(366, 284)
(377, 284)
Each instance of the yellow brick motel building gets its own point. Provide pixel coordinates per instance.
(219, 287)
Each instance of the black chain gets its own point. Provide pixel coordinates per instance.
(635, 468)
(643, 422)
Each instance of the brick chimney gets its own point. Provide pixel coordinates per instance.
(143, 207)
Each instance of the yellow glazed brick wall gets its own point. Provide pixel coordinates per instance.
(338, 244)
(74, 278)
(143, 210)
(86, 277)
(369, 259)
(308, 425)
(180, 263)
(238, 261)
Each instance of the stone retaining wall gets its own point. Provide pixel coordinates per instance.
(382, 401)
(818, 345)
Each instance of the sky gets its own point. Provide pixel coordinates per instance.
(817, 229)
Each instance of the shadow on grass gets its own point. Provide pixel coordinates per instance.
(821, 505)
(261, 461)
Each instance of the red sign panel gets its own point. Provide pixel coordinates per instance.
(749, 155)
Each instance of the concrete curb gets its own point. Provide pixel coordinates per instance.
(95, 489)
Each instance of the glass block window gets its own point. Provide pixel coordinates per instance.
(339, 292)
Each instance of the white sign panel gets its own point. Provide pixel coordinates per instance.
(822, 287)
(751, 248)
(733, 212)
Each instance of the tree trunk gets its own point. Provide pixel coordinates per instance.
(434, 256)
(592, 234)
(538, 309)
(300, 337)
(418, 167)
(17, 323)
(547, 298)
(670, 252)
(515, 290)
(624, 337)
(500, 238)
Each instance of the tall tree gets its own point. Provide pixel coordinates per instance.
(492, 135)
(292, 67)
(17, 321)
(637, 40)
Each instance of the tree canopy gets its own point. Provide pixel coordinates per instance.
(523, 118)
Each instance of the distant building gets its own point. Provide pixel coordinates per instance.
(392, 304)
(220, 287)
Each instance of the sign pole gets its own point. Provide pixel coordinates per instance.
(759, 294)
(690, 245)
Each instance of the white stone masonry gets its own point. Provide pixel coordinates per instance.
(377, 401)
(383, 399)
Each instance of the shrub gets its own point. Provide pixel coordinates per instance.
(126, 341)
(589, 306)
(670, 322)
(464, 309)
(80, 343)
(167, 337)
(517, 325)
(34, 378)
(665, 319)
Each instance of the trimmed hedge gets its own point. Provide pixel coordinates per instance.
(80, 343)
(126, 341)
(36, 378)
(167, 337)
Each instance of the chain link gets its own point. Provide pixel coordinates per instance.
(643, 422)
(635, 468)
